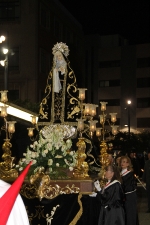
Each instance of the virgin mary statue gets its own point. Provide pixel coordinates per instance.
(60, 103)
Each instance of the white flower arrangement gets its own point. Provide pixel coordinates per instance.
(51, 152)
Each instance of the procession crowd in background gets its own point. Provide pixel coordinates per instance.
(118, 197)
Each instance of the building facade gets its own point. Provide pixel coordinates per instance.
(32, 28)
(118, 72)
(107, 66)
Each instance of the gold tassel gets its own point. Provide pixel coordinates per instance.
(79, 213)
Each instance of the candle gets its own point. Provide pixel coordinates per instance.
(4, 96)
(98, 132)
(103, 106)
(4, 111)
(80, 125)
(30, 131)
(82, 93)
(11, 126)
(113, 117)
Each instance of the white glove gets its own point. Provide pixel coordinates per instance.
(93, 194)
(97, 185)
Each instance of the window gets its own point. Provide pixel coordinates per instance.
(143, 82)
(104, 83)
(143, 122)
(109, 64)
(111, 102)
(9, 10)
(143, 62)
(109, 83)
(143, 102)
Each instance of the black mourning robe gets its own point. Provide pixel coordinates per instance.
(130, 204)
(62, 107)
(111, 211)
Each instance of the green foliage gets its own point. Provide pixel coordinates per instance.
(125, 142)
(27, 104)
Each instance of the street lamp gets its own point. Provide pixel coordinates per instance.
(5, 64)
(2, 38)
(6, 167)
(129, 103)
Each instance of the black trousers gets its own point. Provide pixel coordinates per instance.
(131, 214)
(148, 195)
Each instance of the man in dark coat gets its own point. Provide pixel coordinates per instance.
(135, 162)
(146, 179)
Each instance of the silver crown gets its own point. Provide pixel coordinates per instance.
(62, 47)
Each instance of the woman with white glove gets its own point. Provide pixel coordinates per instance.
(111, 198)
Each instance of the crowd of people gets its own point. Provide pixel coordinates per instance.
(118, 198)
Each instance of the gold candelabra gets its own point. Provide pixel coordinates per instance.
(100, 133)
(88, 111)
(7, 170)
(34, 127)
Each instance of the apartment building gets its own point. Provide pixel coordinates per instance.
(32, 28)
(118, 72)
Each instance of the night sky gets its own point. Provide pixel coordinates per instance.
(129, 18)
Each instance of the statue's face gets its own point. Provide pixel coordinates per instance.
(59, 56)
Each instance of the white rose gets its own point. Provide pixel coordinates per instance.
(23, 160)
(57, 164)
(50, 162)
(71, 153)
(70, 168)
(34, 162)
(58, 156)
(45, 151)
(33, 155)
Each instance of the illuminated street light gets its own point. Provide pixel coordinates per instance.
(5, 50)
(2, 38)
(129, 103)
(4, 62)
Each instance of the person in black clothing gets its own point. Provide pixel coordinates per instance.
(135, 163)
(111, 198)
(146, 179)
(129, 187)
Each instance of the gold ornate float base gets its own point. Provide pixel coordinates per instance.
(104, 161)
(53, 188)
(81, 169)
(7, 171)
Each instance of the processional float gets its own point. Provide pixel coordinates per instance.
(63, 109)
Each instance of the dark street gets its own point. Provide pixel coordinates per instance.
(144, 218)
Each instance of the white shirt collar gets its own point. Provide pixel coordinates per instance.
(123, 171)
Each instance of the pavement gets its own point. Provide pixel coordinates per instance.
(144, 218)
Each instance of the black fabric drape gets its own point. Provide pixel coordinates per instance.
(91, 210)
(73, 209)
